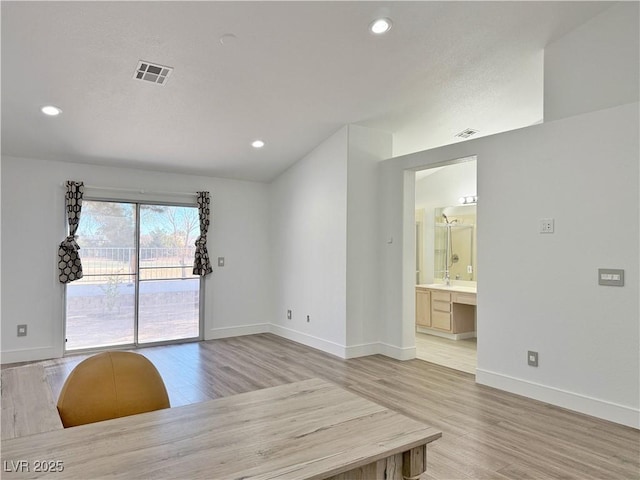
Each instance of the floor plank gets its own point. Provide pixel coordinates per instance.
(487, 433)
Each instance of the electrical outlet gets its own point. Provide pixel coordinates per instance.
(308, 319)
(22, 330)
(288, 314)
(546, 225)
(532, 358)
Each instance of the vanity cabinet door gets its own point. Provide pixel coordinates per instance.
(423, 308)
(441, 320)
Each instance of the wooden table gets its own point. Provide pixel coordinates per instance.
(310, 429)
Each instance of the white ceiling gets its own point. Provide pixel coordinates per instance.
(296, 72)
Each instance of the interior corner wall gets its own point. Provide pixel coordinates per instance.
(596, 65)
(308, 231)
(540, 291)
(34, 223)
(366, 148)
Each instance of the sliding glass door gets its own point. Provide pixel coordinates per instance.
(138, 286)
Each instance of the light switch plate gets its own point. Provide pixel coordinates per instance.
(611, 276)
(532, 358)
(22, 330)
(221, 261)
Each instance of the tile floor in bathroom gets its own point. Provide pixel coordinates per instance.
(456, 354)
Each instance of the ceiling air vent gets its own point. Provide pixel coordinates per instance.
(152, 72)
(466, 133)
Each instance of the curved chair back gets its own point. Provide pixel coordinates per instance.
(111, 385)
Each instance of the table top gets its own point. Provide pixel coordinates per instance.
(309, 429)
(27, 403)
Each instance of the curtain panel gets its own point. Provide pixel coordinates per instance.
(69, 265)
(202, 264)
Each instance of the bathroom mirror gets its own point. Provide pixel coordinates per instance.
(455, 243)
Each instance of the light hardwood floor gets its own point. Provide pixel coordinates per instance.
(487, 434)
(457, 354)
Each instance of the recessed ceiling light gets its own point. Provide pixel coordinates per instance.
(257, 144)
(51, 110)
(380, 26)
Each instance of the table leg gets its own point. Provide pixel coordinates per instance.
(414, 462)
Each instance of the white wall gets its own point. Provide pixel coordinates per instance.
(540, 292)
(581, 170)
(33, 224)
(596, 65)
(308, 231)
(366, 148)
(323, 231)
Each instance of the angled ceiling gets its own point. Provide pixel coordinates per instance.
(289, 73)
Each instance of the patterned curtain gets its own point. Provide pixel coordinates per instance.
(201, 264)
(69, 265)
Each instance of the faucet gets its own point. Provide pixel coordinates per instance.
(447, 278)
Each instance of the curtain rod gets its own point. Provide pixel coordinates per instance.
(135, 190)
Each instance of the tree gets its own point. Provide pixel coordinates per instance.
(111, 224)
(183, 222)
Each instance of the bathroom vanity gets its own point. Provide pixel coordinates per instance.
(446, 310)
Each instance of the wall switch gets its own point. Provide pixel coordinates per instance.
(221, 261)
(308, 319)
(546, 225)
(610, 276)
(532, 358)
(22, 330)
(288, 314)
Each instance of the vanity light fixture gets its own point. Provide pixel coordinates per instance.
(468, 200)
(380, 26)
(51, 110)
(257, 144)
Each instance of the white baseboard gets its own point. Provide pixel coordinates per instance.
(29, 354)
(225, 332)
(362, 350)
(399, 353)
(572, 401)
(310, 341)
(342, 351)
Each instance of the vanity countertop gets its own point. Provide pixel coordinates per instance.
(450, 288)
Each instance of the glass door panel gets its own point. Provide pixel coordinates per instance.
(169, 293)
(101, 306)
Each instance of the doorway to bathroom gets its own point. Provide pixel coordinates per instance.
(446, 265)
